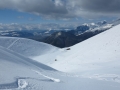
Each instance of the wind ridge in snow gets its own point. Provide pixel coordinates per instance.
(51, 78)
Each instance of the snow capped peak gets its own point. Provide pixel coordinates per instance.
(107, 26)
(85, 24)
(92, 24)
(59, 34)
(102, 22)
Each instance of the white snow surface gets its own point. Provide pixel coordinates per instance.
(97, 53)
(101, 28)
(20, 73)
(93, 64)
(96, 58)
(96, 27)
(26, 47)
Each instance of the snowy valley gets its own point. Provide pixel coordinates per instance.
(90, 65)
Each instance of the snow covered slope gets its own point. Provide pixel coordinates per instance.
(14, 69)
(20, 73)
(95, 63)
(99, 54)
(26, 47)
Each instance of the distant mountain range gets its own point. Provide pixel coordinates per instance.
(68, 38)
(63, 38)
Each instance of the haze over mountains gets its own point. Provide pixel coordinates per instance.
(63, 38)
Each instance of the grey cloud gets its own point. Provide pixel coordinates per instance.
(104, 6)
(46, 8)
(64, 8)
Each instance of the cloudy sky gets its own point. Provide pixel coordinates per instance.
(58, 11)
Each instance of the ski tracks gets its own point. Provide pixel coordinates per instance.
(22, 83)
(12, 43)
(50, 78)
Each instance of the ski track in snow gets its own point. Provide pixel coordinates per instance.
(12, 43)
(106, 77)
(21, 82)
(103, 77)
(50, 78)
